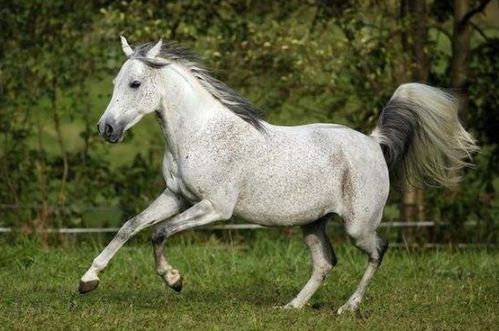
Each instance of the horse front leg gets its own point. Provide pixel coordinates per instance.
(165, 206)
(169, 275)
(200, 214)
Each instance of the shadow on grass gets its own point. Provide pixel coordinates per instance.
(252, 296)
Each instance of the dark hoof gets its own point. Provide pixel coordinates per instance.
(177, 287)
(86, 287)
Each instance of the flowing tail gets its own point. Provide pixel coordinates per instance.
(421, 137)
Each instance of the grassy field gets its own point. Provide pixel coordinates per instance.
(236, 286)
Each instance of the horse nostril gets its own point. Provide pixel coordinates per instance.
(108, 130)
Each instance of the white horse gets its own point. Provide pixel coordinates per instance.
(222, 159)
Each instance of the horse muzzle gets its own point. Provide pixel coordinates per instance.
(110, 130)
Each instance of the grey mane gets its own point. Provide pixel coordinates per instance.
(220, 91)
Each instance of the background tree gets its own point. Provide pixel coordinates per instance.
(301, 62)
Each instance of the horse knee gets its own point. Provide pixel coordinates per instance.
(158, 237)
(130, 228)
(125, 232)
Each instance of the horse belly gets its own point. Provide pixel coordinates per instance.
(289, 203)
(283, 213)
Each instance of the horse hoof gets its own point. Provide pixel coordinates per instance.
(86, 287)
(177, 286)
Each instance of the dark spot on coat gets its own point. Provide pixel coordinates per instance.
(347, 185)
(347, 191)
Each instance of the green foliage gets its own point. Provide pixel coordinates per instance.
(299, 61)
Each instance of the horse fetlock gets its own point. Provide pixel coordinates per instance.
(351, 305)
(172, 275)
(161, 271)
(97, 265)
(294, 304)
(173, 279)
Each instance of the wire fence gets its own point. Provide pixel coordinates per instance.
(13, 206)
(219, 227)
(84, 208)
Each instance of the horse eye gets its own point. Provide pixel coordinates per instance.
(135, 84)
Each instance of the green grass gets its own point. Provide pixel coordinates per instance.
(235, 286)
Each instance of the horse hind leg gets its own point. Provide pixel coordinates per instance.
(323, 259)
(366, 239)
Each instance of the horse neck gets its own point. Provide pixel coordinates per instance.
(186, 107)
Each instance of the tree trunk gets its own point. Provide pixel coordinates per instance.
(461, 49)
(60, 141)
(419, 36)
(41, 221)
(460, 55)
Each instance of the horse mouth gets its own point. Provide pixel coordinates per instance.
(114, 139)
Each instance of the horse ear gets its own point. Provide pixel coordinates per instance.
(126, 48)
(154, 52)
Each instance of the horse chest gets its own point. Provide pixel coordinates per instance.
(179, 180)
